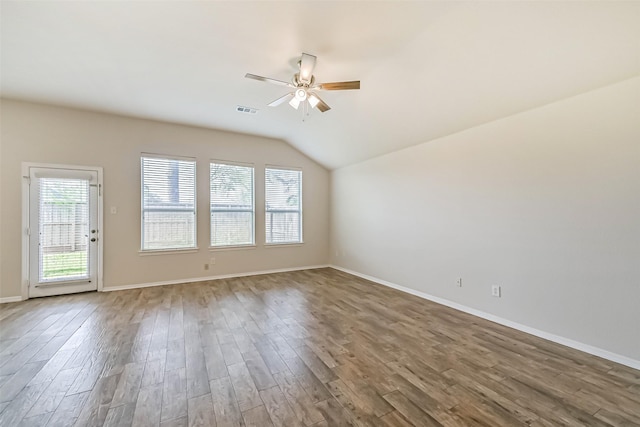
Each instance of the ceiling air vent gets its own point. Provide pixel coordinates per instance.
(246, 110)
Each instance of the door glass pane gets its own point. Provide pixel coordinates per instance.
(64, 229)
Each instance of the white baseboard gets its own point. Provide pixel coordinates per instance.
(203, 279)
(605, 354)
(10, 299)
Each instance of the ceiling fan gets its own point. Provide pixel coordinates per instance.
(305, 87)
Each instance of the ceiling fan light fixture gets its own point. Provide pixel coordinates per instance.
(295, 102)
(301, 94)
(313, 100)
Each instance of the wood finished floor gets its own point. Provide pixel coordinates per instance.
(309, 348)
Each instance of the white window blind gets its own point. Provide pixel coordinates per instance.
(168, 203)
(64, 229)
(232, 205)
(283, 210)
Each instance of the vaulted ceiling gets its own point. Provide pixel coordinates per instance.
(427, 69)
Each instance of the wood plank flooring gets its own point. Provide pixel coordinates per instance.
(309, 348)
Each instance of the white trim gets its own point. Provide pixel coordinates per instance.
(26, 173)
(10, 299)
(148, 252)
(605, 354)
(101, 232)
(287, 168)
(145, 154)
(231, 163)
(232, 247)
(26, 215)
(204, 279)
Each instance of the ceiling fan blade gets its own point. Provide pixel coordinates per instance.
(322, 106)
(268, 80)
(281, 100)
(318, 103)
(339, 85)
(307, 64)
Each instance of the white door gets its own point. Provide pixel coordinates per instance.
(63, 231)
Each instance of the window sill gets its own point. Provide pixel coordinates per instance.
(285, 244)
(231, 248)
(148, 252)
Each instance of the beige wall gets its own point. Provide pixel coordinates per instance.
(39, 133)
(545, 203)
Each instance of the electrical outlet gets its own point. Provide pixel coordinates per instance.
(206, 266)
(495, 291)
(459, 282)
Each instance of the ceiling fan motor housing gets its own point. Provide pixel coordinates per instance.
(300, 83)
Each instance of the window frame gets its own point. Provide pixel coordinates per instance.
(158, 251)
(213, 247)
(299, 210)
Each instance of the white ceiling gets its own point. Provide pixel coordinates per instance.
(427, 69)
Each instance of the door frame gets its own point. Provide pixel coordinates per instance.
(26, 166)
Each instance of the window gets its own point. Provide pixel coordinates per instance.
(232, 205)
(64, 224)
(283, 210)
(168, 203)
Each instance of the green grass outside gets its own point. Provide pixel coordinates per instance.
(64, 264)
